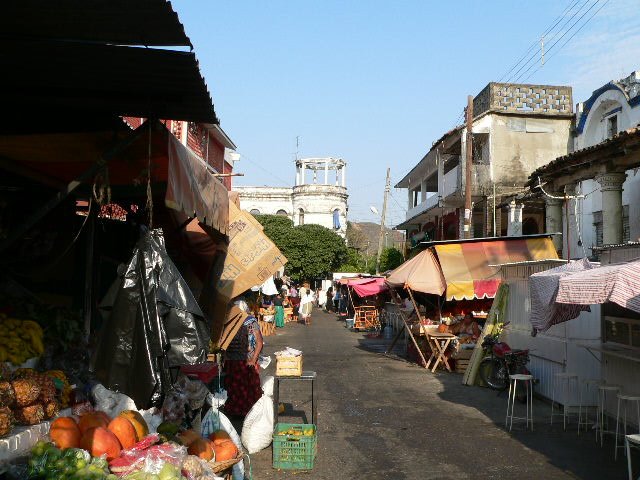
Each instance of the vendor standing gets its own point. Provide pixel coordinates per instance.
(468, 330)
(242, 380)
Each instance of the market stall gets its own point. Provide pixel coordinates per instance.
(457, 281)
(365, 297)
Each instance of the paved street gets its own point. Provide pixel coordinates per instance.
(384, 418)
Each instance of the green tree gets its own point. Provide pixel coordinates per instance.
(355, 262)
(390, 258)
(313, 251)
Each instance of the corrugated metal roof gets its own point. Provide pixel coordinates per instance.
(119, 22)
(44, 77)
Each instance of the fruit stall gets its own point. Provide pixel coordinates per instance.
(447, 281)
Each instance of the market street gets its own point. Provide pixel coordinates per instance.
(381, 417)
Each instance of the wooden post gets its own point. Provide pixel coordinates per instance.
(382, 220)
(88, 270)
(468, 169)
(415, 305)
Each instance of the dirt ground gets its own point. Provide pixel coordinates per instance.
(384, 418)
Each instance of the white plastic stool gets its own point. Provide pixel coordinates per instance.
(625, 400)
(565, 379)
(631, 441)
(587, 385)
(603, 390)
(513, 382)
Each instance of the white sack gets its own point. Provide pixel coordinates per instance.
(257, 429)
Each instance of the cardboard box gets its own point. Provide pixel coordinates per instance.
(251, 256)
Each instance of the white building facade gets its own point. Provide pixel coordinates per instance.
(611, 109)
(318, 197)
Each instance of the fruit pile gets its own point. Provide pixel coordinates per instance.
(27, 398)
(218, 447)
(98, 434)
(47, 462)
(94, 446)
(20, 340)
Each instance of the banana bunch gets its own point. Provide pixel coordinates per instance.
(19, 340)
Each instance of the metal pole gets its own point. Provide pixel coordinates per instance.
(382, 220)
(468, 171)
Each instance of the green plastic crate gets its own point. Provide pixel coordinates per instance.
(294, 451)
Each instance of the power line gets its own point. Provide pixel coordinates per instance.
(559, 18)
(287, 183)
(517, 74)
(569, 39)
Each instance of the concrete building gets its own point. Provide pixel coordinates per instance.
(319, 195)
(516, 129)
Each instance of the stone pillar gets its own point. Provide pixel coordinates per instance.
(326, 173)
(303, 167)
(423, 191)
(344, 175)
(514, 228)
(611, 188)
(553, 219)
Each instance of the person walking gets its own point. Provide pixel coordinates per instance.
(306, 304)
(329, 299)
(279, 317)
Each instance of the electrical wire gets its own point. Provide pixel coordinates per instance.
(535, 43)
(536, 54)
(569, 39)
(578, 229)
(246, 157)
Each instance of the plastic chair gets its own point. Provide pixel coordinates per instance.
(603, 391)
(565, 379)
(587, 385)
(513, 383)
(625, 400)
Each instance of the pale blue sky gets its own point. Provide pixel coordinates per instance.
(377, 82)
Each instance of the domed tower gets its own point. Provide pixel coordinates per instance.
(320, 193)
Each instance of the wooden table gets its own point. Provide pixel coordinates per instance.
(439, 342)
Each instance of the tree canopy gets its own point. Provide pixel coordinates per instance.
(313, 251)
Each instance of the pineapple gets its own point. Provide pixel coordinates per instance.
(6, 421)
(47, 389)
(7, 394)
(27, 391)
(29, 415)
(51, 409)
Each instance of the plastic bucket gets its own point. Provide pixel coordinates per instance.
(348, 322)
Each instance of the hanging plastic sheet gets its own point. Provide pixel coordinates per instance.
(153, 323)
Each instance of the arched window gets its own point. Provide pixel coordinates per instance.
(254, 211)
(336, 219)
(301, 217)
(281, 212)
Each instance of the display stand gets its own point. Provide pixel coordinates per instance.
(307, 376)
(366, 317)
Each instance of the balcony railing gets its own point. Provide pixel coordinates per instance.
(428, 204)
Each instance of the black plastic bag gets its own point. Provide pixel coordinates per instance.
(153, 323)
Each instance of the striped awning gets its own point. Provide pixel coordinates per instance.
(469, 268)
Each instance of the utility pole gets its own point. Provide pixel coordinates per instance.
(468, 169)
(382, 220)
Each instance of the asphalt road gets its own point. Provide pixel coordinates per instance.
(384, 418)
